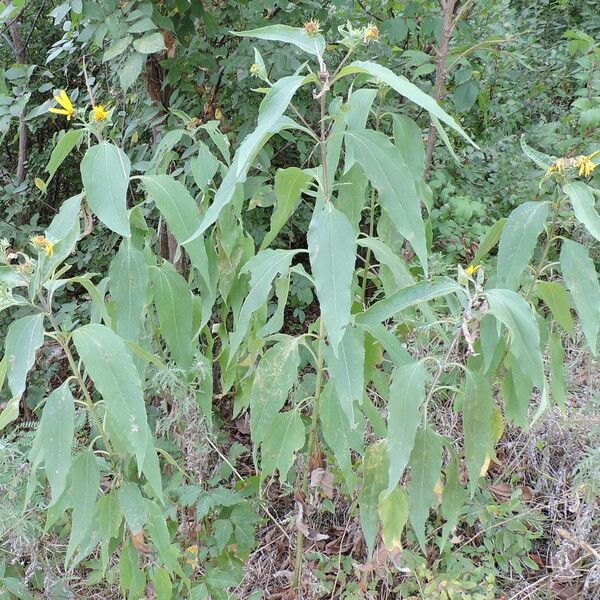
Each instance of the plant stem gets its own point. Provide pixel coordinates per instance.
(312, 436)
(312, 447)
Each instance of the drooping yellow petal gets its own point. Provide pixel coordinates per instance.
(59, 111)
(65, 100)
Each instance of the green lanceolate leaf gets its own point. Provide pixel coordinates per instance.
(338, 434)
(582, 281)
(557, 370)
(174, 305)
(283, 439)
(477, 409)
(63, 148)
(270, 121)
(490, 240)
(375, 473)
(407, 392)
(289, 185)
(263, 268)
(351, 195)
(556, 298)
(24, 337)
(133, 506)
(297, 36)
(393, 514)
(385, 167)
(422, 291)
(354, 117)
(409, 140)
(584, 206)
(425, 465)
(407, 89)
(105, 175)
(516, 393)
(346, 370)
(543, 161)
(453, 499)
(514, 312)
(84, 489)
(128, 285)
(332, 251)
(517, 242)
(277, 372)
(110, 365)
(56, 430)
(64, 231)
(203, 166)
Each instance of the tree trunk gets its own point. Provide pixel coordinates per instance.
(441, 72)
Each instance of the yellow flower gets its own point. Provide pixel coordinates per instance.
(99, 112)
(371, 34)
(67, 106)
(312, 27)
(586, 164)
(43, 243)
(472, 269)
(190, 556)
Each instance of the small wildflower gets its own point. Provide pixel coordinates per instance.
(191, 556)
(25, 268)
(472, 269)
(586, 164)
(41, 242)
(254, 68)
(99, 112)
(67, 106)
(371, 34)
(312, 27)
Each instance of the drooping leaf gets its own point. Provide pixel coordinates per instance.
(270, 121)
(517, 242)
(133, 506)
(276, 374)
(557, 370)
(516, 393)
(263, 268)
(312, 44)
(338, 434)
(584, 206)
(490, 240)
(393, 514)
(110, 365)
(174, 305)
(64, 231)
(289, 185)
(425, 465)
(128, 284)
(582, 281)
(385, 167)
(407, 392)
(105, 175)
(514, 312)
(408, 138)
(453, 499)
(407, 89)
(557, 300)
(423, 291)
(56, 432)
(351, 195)
(375, 473)
(346, 370)
(150, 43)
(477, 409)
(283, 439)
(204, 166)
(63, 148)
(24, 337)
(332, 250)
(84, 489)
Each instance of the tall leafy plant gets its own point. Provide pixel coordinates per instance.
(314, 396)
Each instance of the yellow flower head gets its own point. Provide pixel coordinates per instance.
(472, 269)
(41, 242)
(99, 112)
(586, 164)
(371, 34)
(312, 27)
(67, 106)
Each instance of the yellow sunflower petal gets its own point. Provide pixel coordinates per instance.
(59, 111)
(65, 100)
